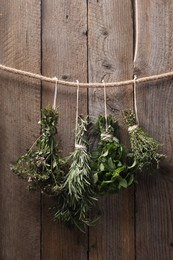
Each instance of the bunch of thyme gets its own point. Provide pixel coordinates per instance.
(41, 165)
(144, 147)
(113, 167)
(78, 197)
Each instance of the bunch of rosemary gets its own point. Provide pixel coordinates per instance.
(144, 147)
(78, 196)
(113, 167)
(41, 165)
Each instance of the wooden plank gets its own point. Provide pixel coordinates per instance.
(19, 113)
(64, 56)
(111, 58)
(154, 205)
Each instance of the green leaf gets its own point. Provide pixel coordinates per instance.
(119, 164)
(95, 177)
(122, 183)
(105, 183)
(131, 179)
(54, 164)
(105, 154)
(118, 171)
(102, 167)
(110, 163)
(133, 165)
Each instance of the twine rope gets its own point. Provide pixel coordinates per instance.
(81, 147)
(77, 104)
(135, 100)
(136, 29)
(86, 85)
(105, 136)
(55, 93)
(105, 105)
(77, 146)
(132, 128)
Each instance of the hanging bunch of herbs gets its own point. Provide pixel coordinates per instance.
(113, 167)
(78, 196)
(144, 147)
(41, 164)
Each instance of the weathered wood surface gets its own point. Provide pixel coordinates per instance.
(154, 204)
(110, 46)
(85, 40)
(19, 113)
(65, 56)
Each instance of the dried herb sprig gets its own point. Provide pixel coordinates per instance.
(41, 165)
(73, 215)
(144, 147)
(113, 167)
(78, 196)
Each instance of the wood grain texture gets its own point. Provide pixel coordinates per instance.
(154, 204)
(19, 113)
(64, 52)
(111, 58)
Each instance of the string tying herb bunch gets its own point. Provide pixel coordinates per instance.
(113, 167)
(78, 196)
(41, 164)
(144, 147)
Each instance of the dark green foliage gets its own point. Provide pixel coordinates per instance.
(113, 167)
(109, 169)
(41, 165)
(144, 147)
(78, 196)
(73, 215)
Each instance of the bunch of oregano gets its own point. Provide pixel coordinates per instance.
(144, 147)
(41, 164)
(113, 167)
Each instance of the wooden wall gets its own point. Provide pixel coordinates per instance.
(89, 41)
